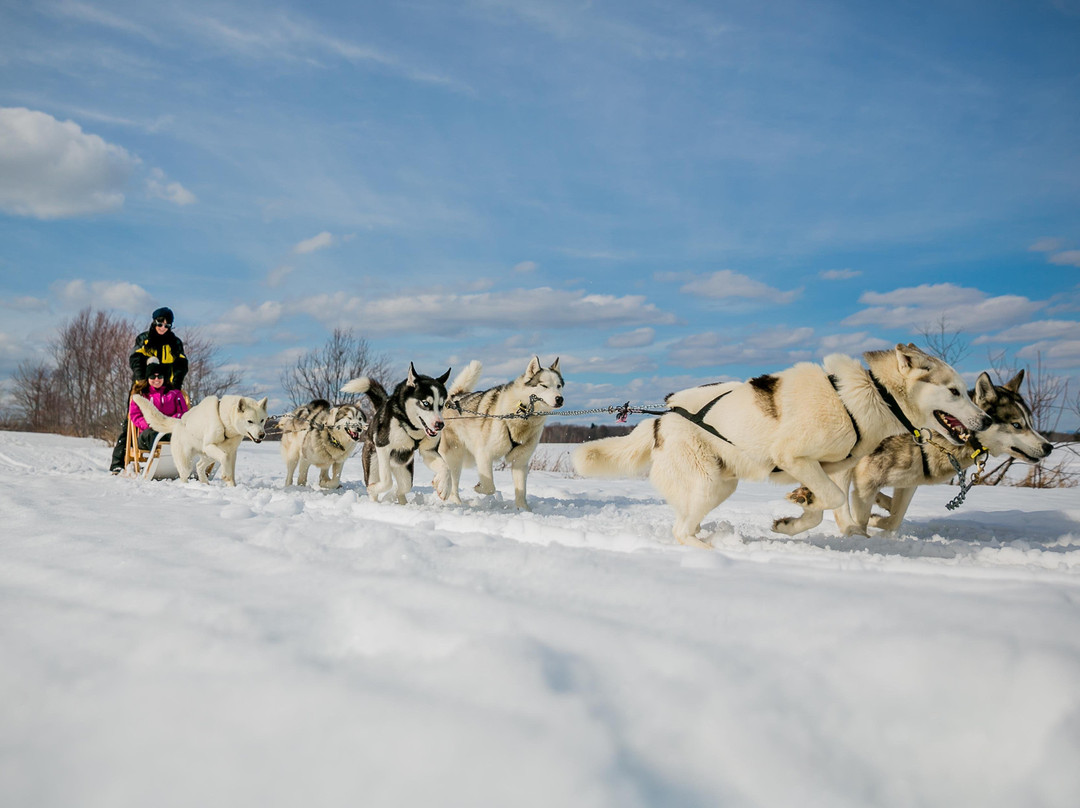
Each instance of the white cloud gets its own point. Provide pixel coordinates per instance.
(727, 284)
(1046, 245)
(1069, 258)
(158, 186)
(447, 313)
(24, 303)
(638, 338)
(276, 276)
(240, 324)
(839, 274)
(1063, 354)
(1039, 330)
(964, 308)
(120, 295)
(54, 170)
(710, 348)
(319, 242)
(526, 266)
(852, 344)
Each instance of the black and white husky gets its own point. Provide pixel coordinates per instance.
(479, 431)
(406, 420)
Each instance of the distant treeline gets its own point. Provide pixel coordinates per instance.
(579, 433)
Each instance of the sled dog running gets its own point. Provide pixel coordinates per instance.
(802, 424)
(478, 433)
(210, 432)
(318, 434)
(406, 420)
(904, 465)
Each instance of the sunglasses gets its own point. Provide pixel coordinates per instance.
(156, 375)
(162, 321)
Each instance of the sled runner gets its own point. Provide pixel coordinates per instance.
(155, 463)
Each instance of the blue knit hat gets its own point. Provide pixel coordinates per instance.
(164, 313)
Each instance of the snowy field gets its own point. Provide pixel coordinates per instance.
(169, 644)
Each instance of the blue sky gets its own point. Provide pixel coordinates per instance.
(659, 193)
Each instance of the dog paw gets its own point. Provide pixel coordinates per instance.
(856, 530)
(693, 541)
(802, 496)
(481, 488)
(329, 484)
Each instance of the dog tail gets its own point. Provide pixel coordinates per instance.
(624, 456)
(465, 381)
(157, 420)
(368, 386)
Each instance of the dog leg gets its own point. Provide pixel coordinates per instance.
(182, 458)
(384, 480)
(901, 499)
(290, 467)
(215, 454)
(301, 477)
(485, 468)
(818, 494)
(328, 481)
(520, 470)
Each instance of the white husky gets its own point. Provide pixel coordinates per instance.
(800, 424)
(211, 432)
(476, 434)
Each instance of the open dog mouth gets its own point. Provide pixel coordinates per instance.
(432, 431)
(352, 432)
(953, 428)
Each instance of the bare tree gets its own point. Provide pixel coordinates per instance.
(944, 342)
(204, 376)
(322, 372)
(35, 398)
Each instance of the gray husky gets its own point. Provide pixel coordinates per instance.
(318, 434)
(803, 423)
(406, 420)
(478, 431)
(905, 465)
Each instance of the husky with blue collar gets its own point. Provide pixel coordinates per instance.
(408, 420)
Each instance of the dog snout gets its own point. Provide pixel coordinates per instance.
(1047, 448)
(984, 423)
(558, 401)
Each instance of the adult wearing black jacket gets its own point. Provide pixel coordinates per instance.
(159, 342)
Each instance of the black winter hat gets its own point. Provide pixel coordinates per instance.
(155, 368)
(164, 313)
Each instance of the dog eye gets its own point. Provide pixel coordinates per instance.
(955, 392)
(1016, 425)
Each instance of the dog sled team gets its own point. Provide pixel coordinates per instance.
(840, 431)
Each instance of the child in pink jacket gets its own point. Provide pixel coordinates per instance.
(170, 402)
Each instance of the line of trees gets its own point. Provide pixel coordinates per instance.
(84, 385)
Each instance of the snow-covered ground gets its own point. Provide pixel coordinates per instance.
(168, 644)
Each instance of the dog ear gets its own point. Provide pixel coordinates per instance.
(240, 405)
(445, 376)
(555, 365)
(1015, 382)
(984, 390)
(534, 366)
(411, 379)
(263, 401)
(908, 357)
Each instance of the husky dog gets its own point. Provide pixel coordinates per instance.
(317, 434)
(472, 436)
(407, 419)
(802, 423)
(903, 464)
(210, 432)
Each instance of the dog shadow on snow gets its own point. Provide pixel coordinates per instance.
(946, 537)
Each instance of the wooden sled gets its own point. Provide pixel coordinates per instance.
(155, 463)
